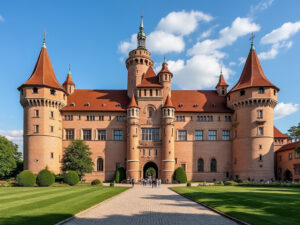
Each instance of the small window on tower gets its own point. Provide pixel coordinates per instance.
(52, 92)
(52, 155)
(35, 90)
(261, 91)
(242, 92)
(150, 92)
(37, 113)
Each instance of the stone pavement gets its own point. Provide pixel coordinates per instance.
(145, 205)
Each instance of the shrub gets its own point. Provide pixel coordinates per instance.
(96, 182)
(246, 182)
(219, 183)
(45, 178)
(59, 178)
(71, 178)
(26, 179)
(112, 184)
(230, 183)
(180, 175)
(120, 175)
(151, 172)
(188, 184)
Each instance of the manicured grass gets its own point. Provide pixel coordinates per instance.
(49, 205)
(255, 205)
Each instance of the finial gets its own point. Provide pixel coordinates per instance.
(69, 72)
(221, 72)
(44, 39)
(252, 40)
(165, 62)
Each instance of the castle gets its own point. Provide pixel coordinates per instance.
(212, 134)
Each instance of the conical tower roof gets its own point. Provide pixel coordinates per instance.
(164, 68)
(222, 81)
(150, 79)
(253, 74)
(168, 102)
(132, 103)
(43, 73)
(69, 79)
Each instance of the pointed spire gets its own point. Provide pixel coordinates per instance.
(44, 39)
(221, 81)
(168, 102)
(142, 23)
(43, 73)
(252, 41)
(69, 79)
(164, 67)
(252, 74)
(141, 37)
(132, 103)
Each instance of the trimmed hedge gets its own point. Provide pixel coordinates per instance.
(230, 183)
(96, 182)
(180, 176)
(120, 175)
(45, 178)
(26, 179)
(71, 178)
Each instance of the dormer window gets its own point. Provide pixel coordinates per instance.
(261, 91)
(180, 105)
(35, 90)
(87, 104)
(118, 105)
(52, 92)
(242, 92)
(213, 105)
(166, 77)
(196, 105)
(73, 104)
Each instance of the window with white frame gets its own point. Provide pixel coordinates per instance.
(118, 135)
(225, 135)
(182, 135)
(212, 135)
(260, 131)
(150, 134)
(198, 135)
(101, 135)
(87, 134)
(70, 134)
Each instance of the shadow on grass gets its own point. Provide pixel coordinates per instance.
(47, 219)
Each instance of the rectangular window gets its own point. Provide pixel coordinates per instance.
(145, 92)
(121, 118)
(35, 90)
(70, 134)
(297, 155)
(52, 92)
(51, 115)
(279, 158)
(156, 92)
(198, 135)
(87, 135)
(90, 117)
(183, 165)
(118, 135)
(212, 135)
(261, 90)
(226, 135)
(144, 152)
(259, 114)
(68, 117)
(37, 113)
(150, 92)
(36, 128)
(149, 151)
(260, 131)
(118, 165)
(180, 118)
(182, 135)
(156, 152)
(51, 129)
(297, 168)
(101, 118)
(290, 156)
(227, 118)
(260, 157)
(52, 155)
(101, 135)
(150, 134)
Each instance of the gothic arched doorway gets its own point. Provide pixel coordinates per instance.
(149, 169)
(288, 176)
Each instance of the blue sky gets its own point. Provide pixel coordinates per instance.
(197, 38)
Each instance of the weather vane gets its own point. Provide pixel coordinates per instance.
(252, 37)
(142, 12)
(221, 72)
(44, 35)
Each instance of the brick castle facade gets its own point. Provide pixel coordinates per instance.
(212, 134)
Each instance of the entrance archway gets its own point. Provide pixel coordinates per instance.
(288, 176)
(150, 165)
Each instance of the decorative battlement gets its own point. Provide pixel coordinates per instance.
(254, 102)
(29, 102)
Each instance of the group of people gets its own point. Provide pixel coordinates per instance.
(154, 183)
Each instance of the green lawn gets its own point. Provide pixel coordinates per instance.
(255, 205)
(49, 205)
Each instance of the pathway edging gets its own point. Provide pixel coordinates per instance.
(213, 209)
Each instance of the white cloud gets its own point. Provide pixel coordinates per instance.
(162, 42)
(242, 60)
(274, 50)
(182, 23)
(284, 109)
(2, 19)
(262, 5)
(207, 33)
(16, 136)
(232, 63)
(126, 46)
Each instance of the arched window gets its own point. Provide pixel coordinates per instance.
(150, 112)
(200, 165)
(100, 164)
(213, 165)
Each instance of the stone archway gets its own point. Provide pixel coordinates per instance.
(288, 176)
(150, 165)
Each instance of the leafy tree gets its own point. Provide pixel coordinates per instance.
(294, 132)
(151, 172)
(77, 157)
(120, 175)
(297, 149)
(180, 175)
(10, 158)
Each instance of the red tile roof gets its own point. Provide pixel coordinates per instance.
(97, 100)
(278, 134)
(289, 146)
(199, 101)
(165, 69)
(150, 79)
(222, 81)
(132, 102)
(253, 74)
(168, 102)
(43, 73)
(69, 80)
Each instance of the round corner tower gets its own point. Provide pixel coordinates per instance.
(253, 100)
(138, 62)
(42, 97)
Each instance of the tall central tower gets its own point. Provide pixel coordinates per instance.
(138, 62)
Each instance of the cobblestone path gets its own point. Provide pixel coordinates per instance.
(144, 206)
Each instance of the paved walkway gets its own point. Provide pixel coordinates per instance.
(144, 206)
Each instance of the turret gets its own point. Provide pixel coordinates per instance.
(253, 99)
(69, 85)
(165, 78)
(133, 164)
(138, 62)
(222, 86)
(42, 97)
(168, 134)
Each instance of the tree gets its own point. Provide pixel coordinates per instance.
(180, 175)
(120, 175)
(10, 158)
(294, 132)
(77, 157)
(151, 172)
(297, 149)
